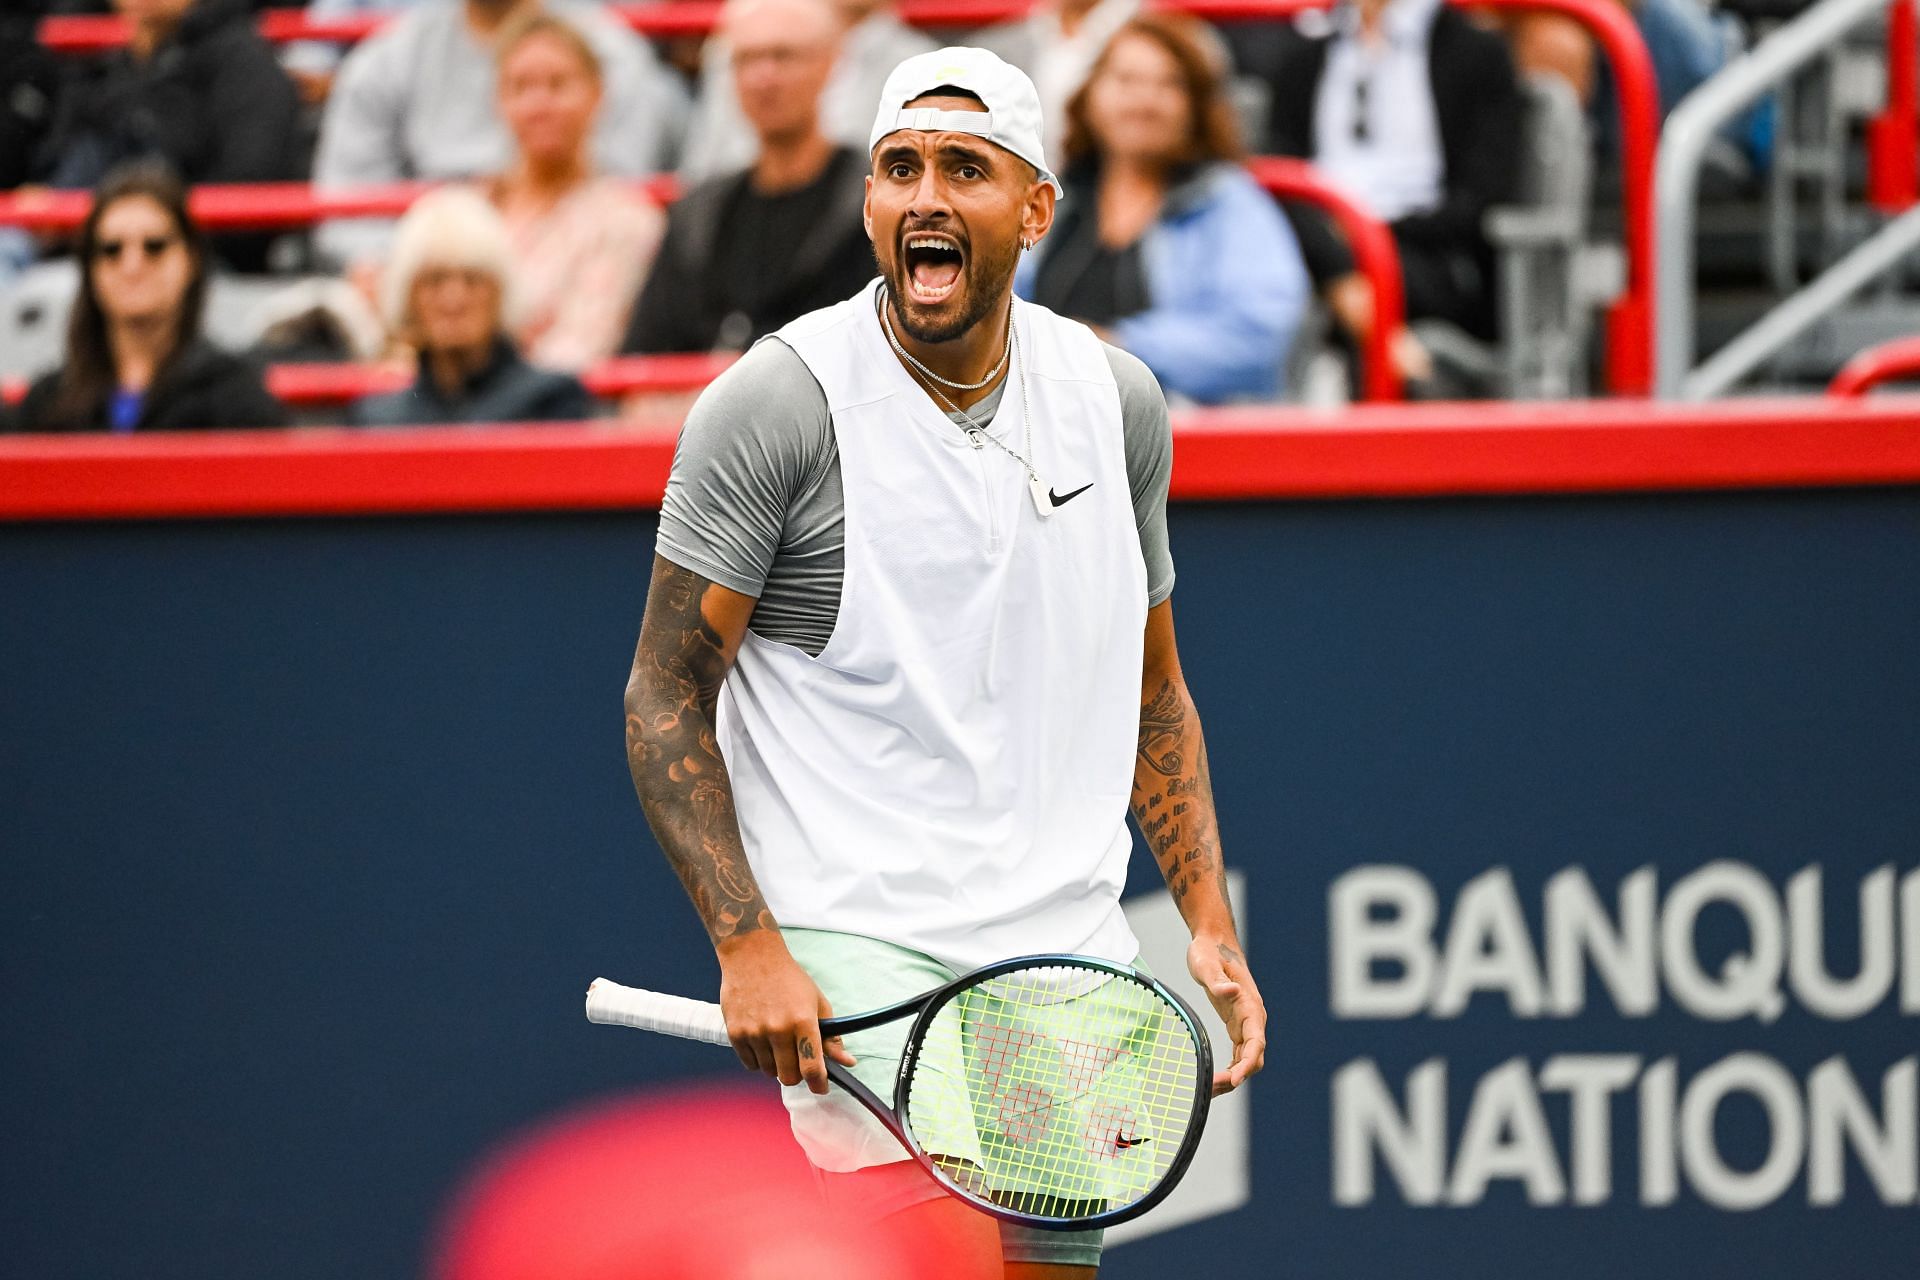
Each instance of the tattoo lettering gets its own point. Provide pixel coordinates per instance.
(675, 759)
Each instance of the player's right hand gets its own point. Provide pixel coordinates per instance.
(773, 1011)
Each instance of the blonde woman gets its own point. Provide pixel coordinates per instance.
(450, 292)
(583, 242)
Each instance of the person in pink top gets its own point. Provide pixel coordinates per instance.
(582, 242)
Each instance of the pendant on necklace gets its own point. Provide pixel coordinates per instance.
(1042, 500)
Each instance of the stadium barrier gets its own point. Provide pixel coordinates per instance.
(1630, 333)
(1370, 451)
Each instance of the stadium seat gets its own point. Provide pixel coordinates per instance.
(1551, 279)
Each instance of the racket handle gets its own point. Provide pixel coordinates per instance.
(611, 1004)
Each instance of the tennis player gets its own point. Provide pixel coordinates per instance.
(908, 648)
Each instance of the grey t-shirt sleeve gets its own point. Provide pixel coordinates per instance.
(754, 440)
(758, 447)
(1149, 443)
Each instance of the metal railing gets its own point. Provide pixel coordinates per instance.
(1689, 132)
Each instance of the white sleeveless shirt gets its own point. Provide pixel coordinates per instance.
(952, 772)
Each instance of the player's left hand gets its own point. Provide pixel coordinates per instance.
(1218, 965)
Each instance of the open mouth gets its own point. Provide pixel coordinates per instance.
(933, 263)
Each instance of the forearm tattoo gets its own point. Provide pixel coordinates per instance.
(1173, 797)
(675, 758)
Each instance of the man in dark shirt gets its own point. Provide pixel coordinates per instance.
(747, 252)
(1415, 110)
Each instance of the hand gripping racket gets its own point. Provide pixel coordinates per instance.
(1057, 1091)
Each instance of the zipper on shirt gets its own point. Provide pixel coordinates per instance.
(977, 439)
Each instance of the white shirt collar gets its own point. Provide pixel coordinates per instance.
(1406, 22)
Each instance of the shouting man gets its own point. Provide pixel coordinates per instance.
(908, 646)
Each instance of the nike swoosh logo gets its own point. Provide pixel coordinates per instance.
(1061, 500)
(1124, 1143)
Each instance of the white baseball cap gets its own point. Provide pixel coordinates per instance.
(1011, 120)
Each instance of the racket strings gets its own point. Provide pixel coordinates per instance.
(1074, 1088)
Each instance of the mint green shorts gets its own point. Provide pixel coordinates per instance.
(860, 1165)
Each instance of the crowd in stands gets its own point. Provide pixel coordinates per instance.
(539, 255)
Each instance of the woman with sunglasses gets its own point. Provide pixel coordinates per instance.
(135, 358)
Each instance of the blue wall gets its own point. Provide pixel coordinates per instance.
(311, 833)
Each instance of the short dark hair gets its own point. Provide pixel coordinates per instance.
(950, 91)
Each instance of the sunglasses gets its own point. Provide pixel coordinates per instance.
(151, 246)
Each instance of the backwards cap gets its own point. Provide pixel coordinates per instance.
(1011, 120)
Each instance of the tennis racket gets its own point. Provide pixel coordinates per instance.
(1057, 1091)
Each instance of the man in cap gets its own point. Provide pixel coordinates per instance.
(908, 642)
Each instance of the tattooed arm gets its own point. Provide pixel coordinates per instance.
(688, 641)
(1173, 803)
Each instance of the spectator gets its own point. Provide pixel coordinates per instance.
(196, 86)
(418, 101)
(450, 292)
(135, 358)
(1057, 46)
(1416, 112)
(582, 243)
(747, 252)
(874, 43)
(1162, 241)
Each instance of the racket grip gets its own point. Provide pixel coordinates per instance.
(611, 1004)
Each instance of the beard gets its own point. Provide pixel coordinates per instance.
(982, 279)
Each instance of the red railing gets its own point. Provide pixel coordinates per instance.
(1896, 361)
(323, 386)
(1630, 323)
(1893, 136)
(94, 34)
(1374, 253)
(318, 386)
(254, 206)
(1366, 451)
(282, 206)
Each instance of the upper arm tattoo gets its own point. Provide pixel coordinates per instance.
(675, 759)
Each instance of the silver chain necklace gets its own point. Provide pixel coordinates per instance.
(978, 436)
(887, 320)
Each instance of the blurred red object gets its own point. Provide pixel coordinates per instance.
(700, 1184)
